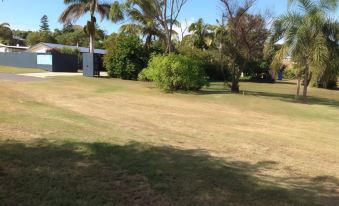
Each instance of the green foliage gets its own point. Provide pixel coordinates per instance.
(76, 9)
(125, 56)
(175, 72)
(77, 37)
(38, 37)
(201, 36)
(290, 73)
(258, 70)
(66, 51)
(327, 78)
(210, 59)
(306, 33)
(6, 35)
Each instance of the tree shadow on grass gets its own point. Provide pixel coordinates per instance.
(285, 82)
(291, 98)
(46, 173)
(278, 96)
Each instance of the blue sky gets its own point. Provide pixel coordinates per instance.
(26, 14)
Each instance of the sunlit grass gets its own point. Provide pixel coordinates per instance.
(15, 70)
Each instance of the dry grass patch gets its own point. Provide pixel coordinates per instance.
(15, 70)
(206, 148)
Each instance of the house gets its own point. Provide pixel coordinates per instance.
(44, 47)
(17, 48)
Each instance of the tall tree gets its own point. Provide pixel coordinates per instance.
(78, 8)
(163, 12)
(304, 39)
(246, 35)
(6, 34)
(44, 26)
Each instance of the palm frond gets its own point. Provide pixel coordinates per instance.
(330, 5)
(116, 12)
(104, 10)
(73, 12)
(4, 25)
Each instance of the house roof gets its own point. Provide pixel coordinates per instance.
(60, 46)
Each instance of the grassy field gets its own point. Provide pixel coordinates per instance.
(15, 70)
(88, 141)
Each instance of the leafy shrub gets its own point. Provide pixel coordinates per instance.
(65, 50)
(38, 37)
(125, 56)
(76, 37)
(211, 62)
(290, 73)
(175, 72)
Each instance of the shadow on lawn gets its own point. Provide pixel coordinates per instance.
(279, 96)
(45, 173)
(291, 98)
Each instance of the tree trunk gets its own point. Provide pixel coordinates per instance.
(235, 82)
(235, 86)
(222, 63)
(306, 81)
(169, 43)
(91, 43)
(299, 85)
(148, 42)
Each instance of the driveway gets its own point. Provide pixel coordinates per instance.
(17, 77)
(50, 74)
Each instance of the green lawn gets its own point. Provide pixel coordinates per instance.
(89, 141)
(15, 70)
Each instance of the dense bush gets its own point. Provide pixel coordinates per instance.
(77, 37)
(211, 62)
(38, 37)
(290, 73)
(125, 56)
(175, 72)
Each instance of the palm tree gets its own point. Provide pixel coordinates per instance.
(201, 34)
(164, 13)
(78, 8)
(327, 78)
(143, 24)
(4, 25)
(304, 39)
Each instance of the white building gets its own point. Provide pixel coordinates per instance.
(17, 48)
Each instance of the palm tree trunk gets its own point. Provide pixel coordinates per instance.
(306, 82)
(299, 85)
(91, 43)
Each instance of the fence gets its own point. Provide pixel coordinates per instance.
(51, 62)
